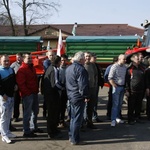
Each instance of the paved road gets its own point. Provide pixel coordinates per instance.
(122, 137)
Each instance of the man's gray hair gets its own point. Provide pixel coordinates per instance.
(78, 56)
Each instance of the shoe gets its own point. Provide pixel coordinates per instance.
(37, 130)
(12, 128)
(6, 139)
(10, 135)
(91, 126)
(96, 120)
(54, 136)
(30, 135)
(79, 143)
(119, 120)
(113, 123)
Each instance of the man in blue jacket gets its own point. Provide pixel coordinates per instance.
(7, 88)
(77, 91)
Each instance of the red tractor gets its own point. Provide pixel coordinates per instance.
(143, 47)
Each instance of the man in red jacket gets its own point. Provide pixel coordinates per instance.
(28, 86)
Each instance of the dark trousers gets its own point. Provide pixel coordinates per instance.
(53, 105)
(17, 100)
(63, 106)
(95, 115)
(89, 107)
(44, 107)
(148, 107)
(134, 105)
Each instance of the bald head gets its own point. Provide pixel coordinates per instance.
(121, 59)
(51, 55)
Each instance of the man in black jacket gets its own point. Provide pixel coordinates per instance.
(52, 92)
(135, 88)
(100, 83)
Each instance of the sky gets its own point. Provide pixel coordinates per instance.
(131, 12)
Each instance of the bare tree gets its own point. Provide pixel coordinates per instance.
(7, 15)
(32, 10)
(4, 20)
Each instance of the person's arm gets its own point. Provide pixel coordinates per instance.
(111, 76)
(83, 83)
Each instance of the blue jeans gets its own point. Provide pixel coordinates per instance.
(117, 99)
(6, 109)
(30, 105)
(77, 110)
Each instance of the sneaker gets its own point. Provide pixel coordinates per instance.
(6, 139)
(119, 120)
(113, 123)
(10, 135)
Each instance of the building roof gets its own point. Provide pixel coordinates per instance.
(81, 30)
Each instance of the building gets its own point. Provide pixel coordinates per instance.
(51, 32)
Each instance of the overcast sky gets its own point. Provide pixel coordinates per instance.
(132, 12)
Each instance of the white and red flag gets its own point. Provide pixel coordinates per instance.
(60, 46)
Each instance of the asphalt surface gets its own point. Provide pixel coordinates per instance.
(105, 137)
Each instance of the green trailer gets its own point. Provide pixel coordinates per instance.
(105, 47)
(14, 44)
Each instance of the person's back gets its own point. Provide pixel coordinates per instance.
(78, 93)
(74, 87)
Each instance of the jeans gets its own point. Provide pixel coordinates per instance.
(117, 99)
(68, 109)
(77, 110)
(6, 109)
(30, 104)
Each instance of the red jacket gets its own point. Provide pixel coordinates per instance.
(27, 80)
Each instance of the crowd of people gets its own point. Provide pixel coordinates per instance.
(71, 87)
